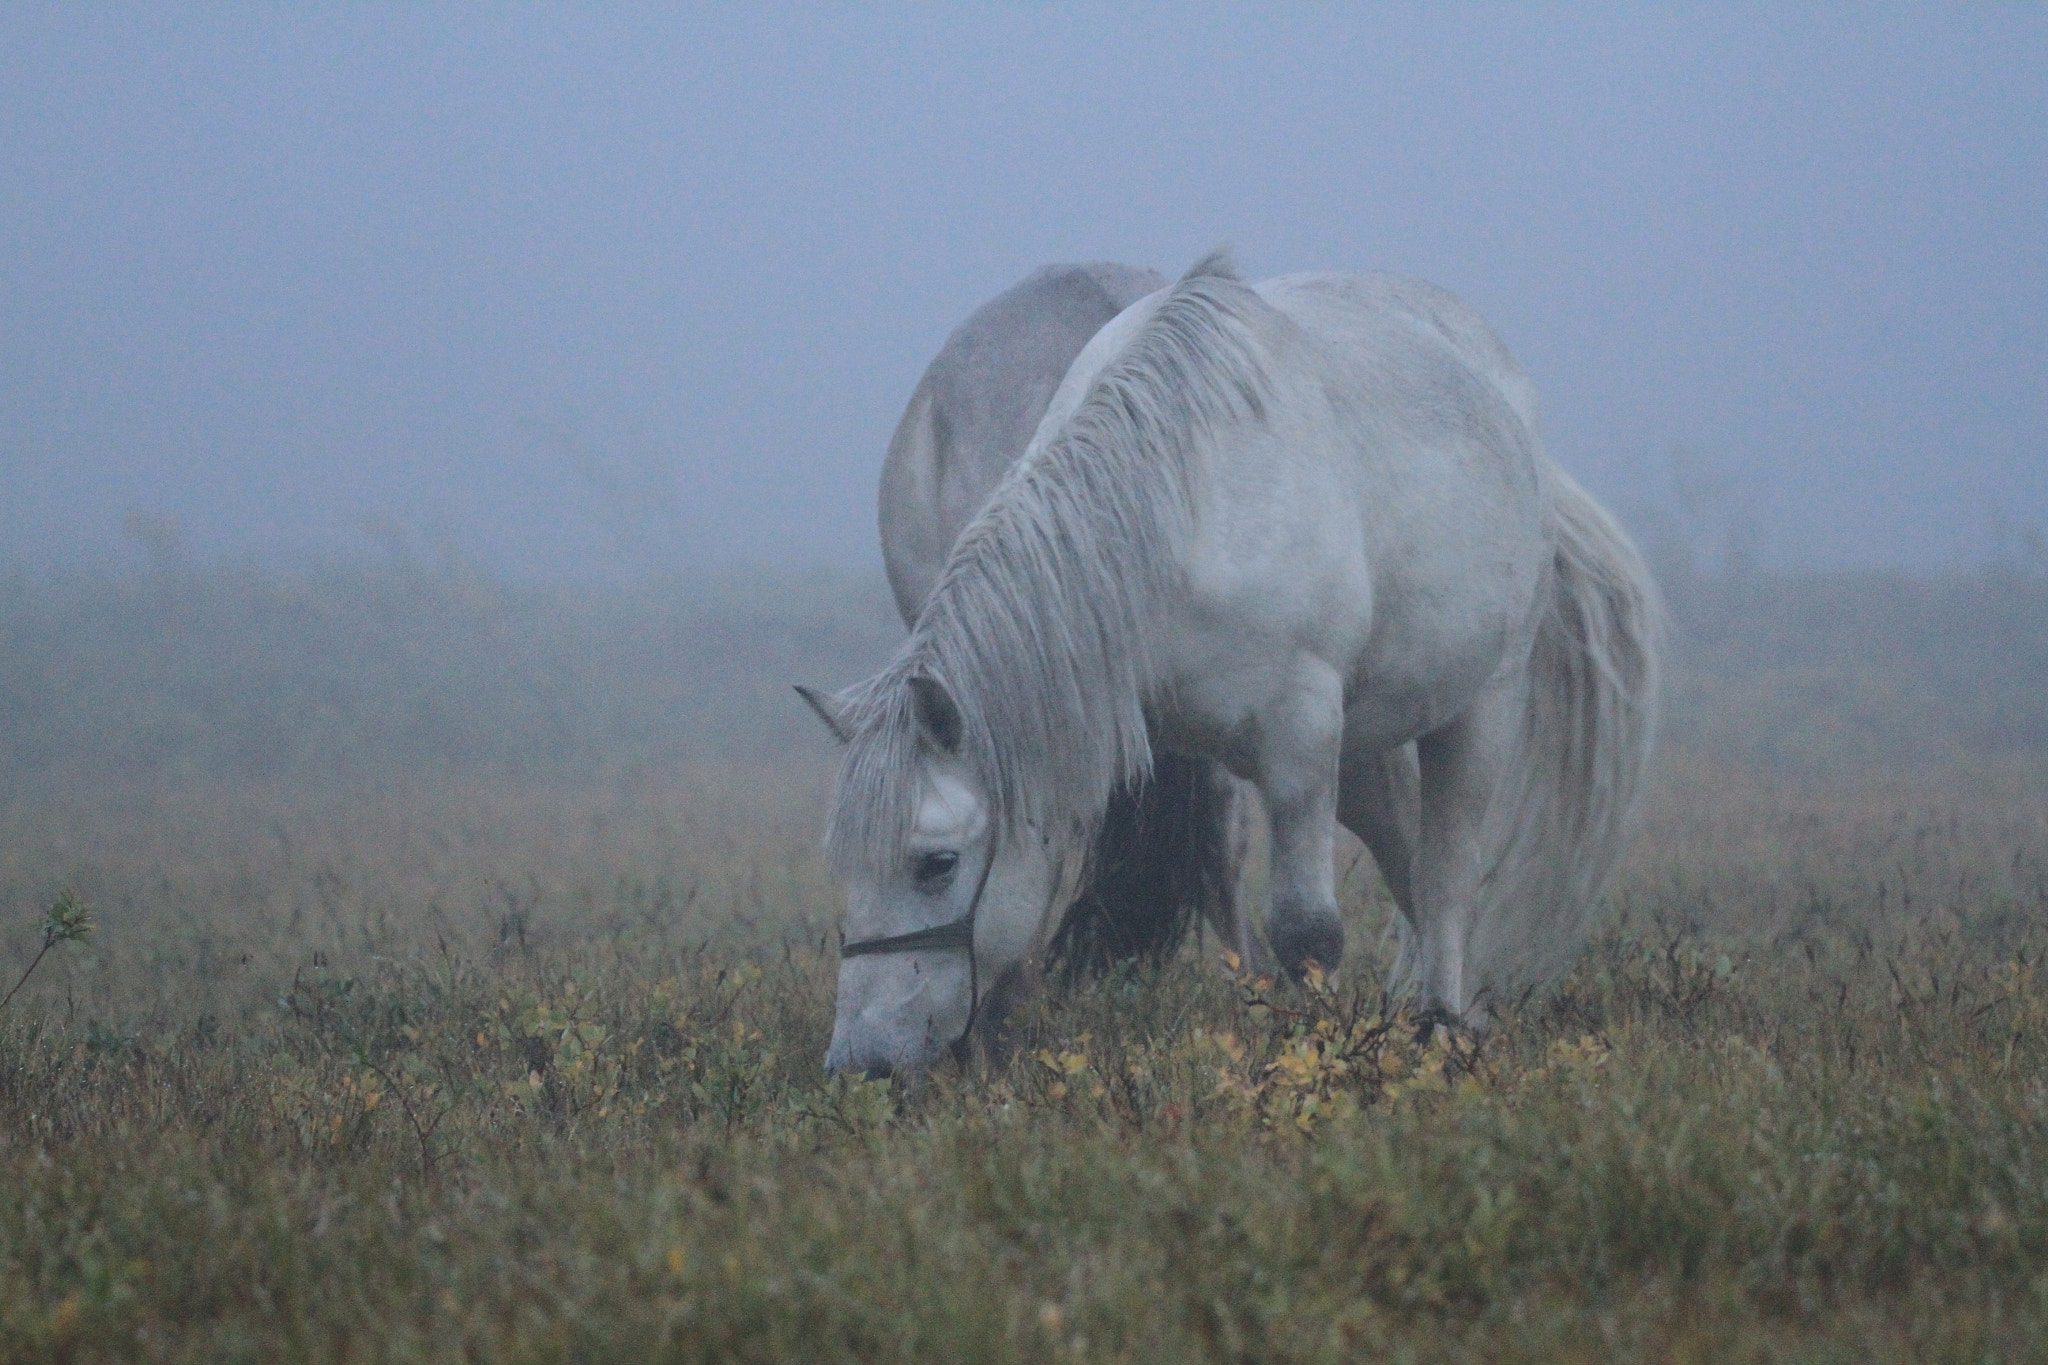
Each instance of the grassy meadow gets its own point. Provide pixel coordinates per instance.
(461, 963)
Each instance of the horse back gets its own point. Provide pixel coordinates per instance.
(977, 406)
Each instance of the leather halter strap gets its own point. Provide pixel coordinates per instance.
(958, 933)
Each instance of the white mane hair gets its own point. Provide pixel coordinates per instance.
(1038, 625)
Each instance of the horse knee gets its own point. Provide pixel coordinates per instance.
(1308, 934)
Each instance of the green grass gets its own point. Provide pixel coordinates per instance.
(455, 1058)
(1790, 1113)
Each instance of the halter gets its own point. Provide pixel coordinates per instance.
(958, 933)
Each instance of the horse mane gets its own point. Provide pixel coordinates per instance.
(1039, 625)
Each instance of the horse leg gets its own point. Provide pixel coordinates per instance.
(1297, 774)
(1462, 764)
(1226, 910)
(1379, 798)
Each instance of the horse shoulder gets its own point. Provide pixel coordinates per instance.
(1392, 520)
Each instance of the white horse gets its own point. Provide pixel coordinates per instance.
(1294, 527)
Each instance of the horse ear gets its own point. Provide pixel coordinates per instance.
(937, 715)
(832, 710)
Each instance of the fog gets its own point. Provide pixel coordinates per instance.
(593, 294)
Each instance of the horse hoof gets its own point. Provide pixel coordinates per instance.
(1469, 1026)
(1301, 940)
(1436, 1017)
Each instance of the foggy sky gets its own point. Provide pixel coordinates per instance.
(598, 293)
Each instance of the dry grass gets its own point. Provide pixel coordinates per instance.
(443, 1065)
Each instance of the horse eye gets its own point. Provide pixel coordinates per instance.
(934, 870)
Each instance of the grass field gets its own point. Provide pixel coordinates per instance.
(460, 976)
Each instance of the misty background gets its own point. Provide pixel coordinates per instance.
(433, 439)
(399, 399)
(591, 294)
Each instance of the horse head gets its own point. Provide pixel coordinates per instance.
(940, 929)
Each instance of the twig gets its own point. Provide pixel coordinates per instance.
(67, 921)
(33, 964)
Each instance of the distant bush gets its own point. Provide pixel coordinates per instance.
(1870, 670)
(351, 670)
(359, 671)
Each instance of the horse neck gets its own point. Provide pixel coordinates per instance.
(1044, 617)
(1052, 669)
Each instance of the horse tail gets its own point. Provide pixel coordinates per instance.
(1563, 815)
(1162, 855)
